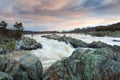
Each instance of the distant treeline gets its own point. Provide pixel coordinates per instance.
(15, 32)
(112, 28)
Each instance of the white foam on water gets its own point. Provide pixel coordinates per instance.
(51, 51)
(89, 38)
(54, 50)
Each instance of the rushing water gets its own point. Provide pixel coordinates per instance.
(54, 50)
(89, 38)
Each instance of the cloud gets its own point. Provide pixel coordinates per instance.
(56, 14)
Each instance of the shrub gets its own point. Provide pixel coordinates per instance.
(11, 45)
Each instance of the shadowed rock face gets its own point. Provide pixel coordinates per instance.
(99, 64)
(28, 67)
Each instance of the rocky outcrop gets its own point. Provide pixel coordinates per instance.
(99, 64)
(100, 44)
(74, 42)
(28, 67)
(27, 44)
(8, 45)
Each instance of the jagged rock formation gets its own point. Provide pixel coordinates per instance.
(100, 64)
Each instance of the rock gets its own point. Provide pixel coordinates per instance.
(98, 64)
(74, 42)
(6, 65)
(116, 40)
(3, 63)
(5, 76)
(11, 65)
(2, 51)
(39, 45)
(30, 68)
(27, 44)
(98, 44)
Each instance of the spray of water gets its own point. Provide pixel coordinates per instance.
(52, 50)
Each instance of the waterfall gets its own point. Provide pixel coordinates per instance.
(52, 50)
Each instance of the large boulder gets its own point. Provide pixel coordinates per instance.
(29, 68)
(98, 64)
(27, 44)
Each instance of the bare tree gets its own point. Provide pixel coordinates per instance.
(3, 25)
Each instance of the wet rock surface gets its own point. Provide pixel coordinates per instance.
(27, 44)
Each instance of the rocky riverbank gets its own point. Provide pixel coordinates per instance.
(95, 64)
(8, 45)
(99, 61)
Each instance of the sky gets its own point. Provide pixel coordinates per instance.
(59, 15)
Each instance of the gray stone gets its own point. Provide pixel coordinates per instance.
(74, 42)
(30, 68)
(27, 44)
(98, 64)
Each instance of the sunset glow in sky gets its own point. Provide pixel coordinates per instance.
(40, 15)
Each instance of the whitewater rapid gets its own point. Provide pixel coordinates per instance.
(51, 51)
(89, 38)
(54, 50)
